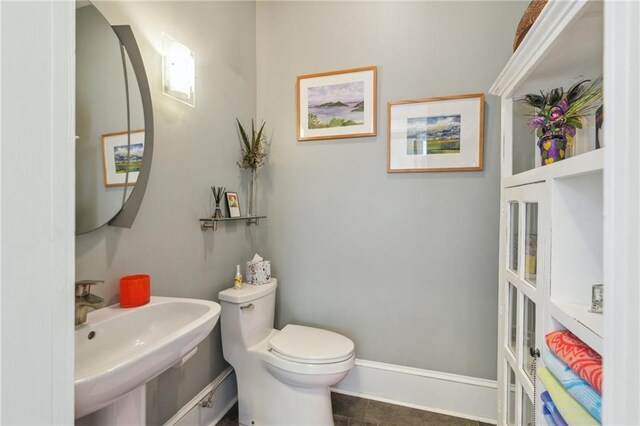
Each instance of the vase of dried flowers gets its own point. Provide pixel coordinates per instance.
(253, 193)
(560, 113)
(253, 156)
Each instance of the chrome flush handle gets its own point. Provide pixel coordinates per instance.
(248, 307)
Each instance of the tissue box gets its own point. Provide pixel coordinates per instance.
(257, 273)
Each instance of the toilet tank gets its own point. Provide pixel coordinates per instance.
(247, 315)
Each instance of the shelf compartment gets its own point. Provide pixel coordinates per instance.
(587, 326)
(577, 248)
(589, 162)
(525, 153)
(212, 223)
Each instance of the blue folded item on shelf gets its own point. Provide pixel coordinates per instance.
(547, 416)
(555, 414)
(577, 387)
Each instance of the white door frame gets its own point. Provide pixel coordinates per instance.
(622, 214)
(37, 211)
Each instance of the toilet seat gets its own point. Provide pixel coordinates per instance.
(308, 345)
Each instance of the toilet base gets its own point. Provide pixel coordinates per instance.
(267, 401)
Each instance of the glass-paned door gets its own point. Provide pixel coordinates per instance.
(528, 339)
(522, 276)
(527, 411)
(511, 396)
(514, 226)
(531, 242)
(513, 318)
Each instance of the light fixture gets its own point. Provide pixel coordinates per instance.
(178, 71)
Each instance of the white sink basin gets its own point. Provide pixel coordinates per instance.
(119, 350)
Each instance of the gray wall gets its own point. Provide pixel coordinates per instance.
(194, 148)
(405, 265)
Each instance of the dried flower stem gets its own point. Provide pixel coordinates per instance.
(253, 149)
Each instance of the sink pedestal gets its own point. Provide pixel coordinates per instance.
(128, 410)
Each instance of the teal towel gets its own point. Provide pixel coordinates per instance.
(579, 389)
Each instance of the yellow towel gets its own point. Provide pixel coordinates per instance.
(572, 412)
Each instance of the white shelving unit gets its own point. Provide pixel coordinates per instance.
(551, 242)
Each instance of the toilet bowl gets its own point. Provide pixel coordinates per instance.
(284, 375)
(309, 357)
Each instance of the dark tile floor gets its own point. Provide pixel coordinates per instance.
(353, 411)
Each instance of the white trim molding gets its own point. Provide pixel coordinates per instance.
(445, 393)
(554, 18)
(224, 397)
(37, 193)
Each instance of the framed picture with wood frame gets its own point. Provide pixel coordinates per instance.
(442, 134)
(121, 155)
(337, 104)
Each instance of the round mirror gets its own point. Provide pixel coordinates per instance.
(110, 121)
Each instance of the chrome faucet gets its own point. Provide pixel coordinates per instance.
(86, 300)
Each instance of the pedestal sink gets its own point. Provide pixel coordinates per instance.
(118, 350)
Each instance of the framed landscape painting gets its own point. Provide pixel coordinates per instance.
(436, 134)
(337, 104)
(118, 157)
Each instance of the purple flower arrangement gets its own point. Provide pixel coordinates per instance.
(561, 112)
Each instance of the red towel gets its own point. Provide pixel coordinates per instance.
(586, 362)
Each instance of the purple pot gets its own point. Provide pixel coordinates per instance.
(553, 147)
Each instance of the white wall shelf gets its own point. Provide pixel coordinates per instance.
(551, 218)
(587, 326)
(588, 162)
(563, 44)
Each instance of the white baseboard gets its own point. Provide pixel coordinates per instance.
(193, 414)
(444, 393)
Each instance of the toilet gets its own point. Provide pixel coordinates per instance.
(284, 375)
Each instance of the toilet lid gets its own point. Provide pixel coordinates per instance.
(311, 345)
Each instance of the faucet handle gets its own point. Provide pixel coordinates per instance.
(83, 288)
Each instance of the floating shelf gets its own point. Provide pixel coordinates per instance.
(212, 223)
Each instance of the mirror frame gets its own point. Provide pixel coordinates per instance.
(126, 215)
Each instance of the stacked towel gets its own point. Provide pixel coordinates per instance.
(553, 410)
(586, 362)
(547, 416)
(572, 412)
(578, 388)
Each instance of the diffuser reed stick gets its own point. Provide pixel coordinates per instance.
(217, 196)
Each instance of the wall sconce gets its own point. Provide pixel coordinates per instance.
(178, 71)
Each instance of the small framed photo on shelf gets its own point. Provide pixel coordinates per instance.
(337, 104)
(442, 134)
(121, 155)
(233, 205)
